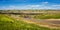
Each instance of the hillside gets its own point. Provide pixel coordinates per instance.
(8, 23)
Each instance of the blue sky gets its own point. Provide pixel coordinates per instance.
(29, 4)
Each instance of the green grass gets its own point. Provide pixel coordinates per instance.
(8, 23)
(47, 16)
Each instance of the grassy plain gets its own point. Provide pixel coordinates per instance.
(9, 23)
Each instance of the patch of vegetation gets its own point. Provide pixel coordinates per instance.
(47, 16)
(8, 23)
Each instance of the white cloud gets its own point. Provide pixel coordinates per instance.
(55, 5)
(45, 2)
(31, 7)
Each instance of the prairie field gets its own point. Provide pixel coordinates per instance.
(29, 20)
